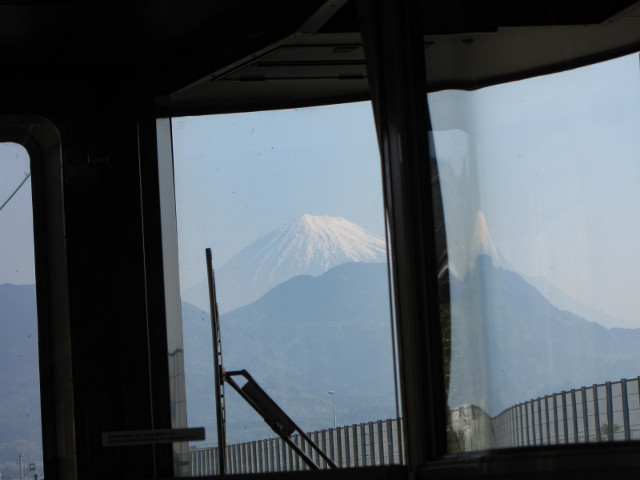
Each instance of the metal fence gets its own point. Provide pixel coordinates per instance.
(599, 413)
(366, 444)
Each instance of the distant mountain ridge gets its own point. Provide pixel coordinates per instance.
(510, 344)
(306, 245)
(306, 336)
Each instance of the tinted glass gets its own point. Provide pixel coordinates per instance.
(539, 181)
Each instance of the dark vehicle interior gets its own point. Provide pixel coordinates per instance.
(88, 88)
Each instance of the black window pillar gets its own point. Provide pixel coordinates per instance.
(395, 64)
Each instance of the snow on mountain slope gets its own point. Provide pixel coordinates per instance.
(307, 245)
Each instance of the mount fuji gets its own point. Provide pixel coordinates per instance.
(306, 245)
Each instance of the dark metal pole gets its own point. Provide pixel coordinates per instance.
(585, 415)
(218, 374)
(546, 411)
(609, 411)
(625, 410)
(596, 413)
(574, 411)
(564, 417)
(555, 418)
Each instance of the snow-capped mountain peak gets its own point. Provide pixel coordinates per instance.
(306, 245)
(313, 244)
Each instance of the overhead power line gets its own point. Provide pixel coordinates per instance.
(15, 191)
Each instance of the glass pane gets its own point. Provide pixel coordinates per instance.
(539, 181)
(290, 202)
(20, 424)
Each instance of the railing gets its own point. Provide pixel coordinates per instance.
(599, 413)
(366, 444)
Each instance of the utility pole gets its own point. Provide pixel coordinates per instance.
(20, 461)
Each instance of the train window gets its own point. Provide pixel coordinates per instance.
(539, 181)
(290, 203)
(20, 419)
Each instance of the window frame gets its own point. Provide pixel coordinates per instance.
(42, 140)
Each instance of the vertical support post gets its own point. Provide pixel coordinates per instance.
(372, 450)
(332, 454)
(394, 53)
(259, 458)
(272, 455)
(574, 411)
(596, 413)
(363, 443)
(347, 447)
(512, 423)
(625, 410)
(324, 447)
(565, 423)
(609, 394)
(380, 442)
(555, 418)
(519, 430)
(585, 414)
(218, 374)
(526, 418)
(390, 443)
(540, 435)
(533, 421)
(296, 440)
(546, 414)
(400, 441)
(356, 460)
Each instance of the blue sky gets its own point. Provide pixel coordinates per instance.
(555, 163)
(240, 176)
(16, 218)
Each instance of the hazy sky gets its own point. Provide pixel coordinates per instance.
(554, 165)
(240, 176)
(16, 218)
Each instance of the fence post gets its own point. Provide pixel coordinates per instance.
(372, 449)
(596, 413)
(555, 419)
(390, 443)
(526, 419)
(609, 410)
(533, 421)
(347, 445)
(585, 414)
(324, 447)
(519, 431)
(401, 441)
(514, 428)
(332, 455)
(564, 417)
(546, 415)
(540, 435)
(356, 454)
(625, 410)
(380, 442)
(574, 410)
(363, 432)
(295, 456)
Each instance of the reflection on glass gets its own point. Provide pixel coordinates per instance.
(20, 424)
(539, 181)
(290, 203)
